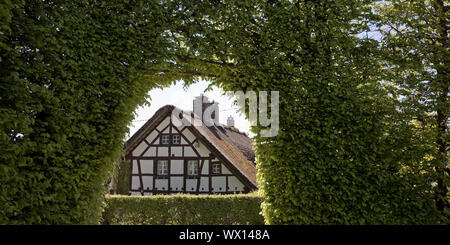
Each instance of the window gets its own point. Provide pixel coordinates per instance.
(192, 168)
(162, 168)
(176, 139)
(216, 168)
(164, 139)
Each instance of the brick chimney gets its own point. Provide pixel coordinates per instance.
(230, 121)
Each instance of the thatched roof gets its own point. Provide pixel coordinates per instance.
(228, 143)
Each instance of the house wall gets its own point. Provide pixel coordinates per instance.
(144, 157)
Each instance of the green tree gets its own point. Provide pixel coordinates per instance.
(415, 41)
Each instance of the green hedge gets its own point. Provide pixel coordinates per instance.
(182, 209)
(69, 84)
(73, 72)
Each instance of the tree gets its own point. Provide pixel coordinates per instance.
(415, 41)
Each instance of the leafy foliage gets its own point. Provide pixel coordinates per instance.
(415, 45)
(343, 154)
(69, 86)
(182, 209)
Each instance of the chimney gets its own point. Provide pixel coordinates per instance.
(230, 121)
(202, 107)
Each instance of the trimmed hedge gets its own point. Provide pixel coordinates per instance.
(70, 78)
(183, 209)
(73, 72)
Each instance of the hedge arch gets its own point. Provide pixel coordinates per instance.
(73, 72)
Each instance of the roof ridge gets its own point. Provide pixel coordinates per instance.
(234, 129)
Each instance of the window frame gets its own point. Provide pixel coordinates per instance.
(212, 168)
(193, 175)
(158, 168)
(179, 139)
(161, 139)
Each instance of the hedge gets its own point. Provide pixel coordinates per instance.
(73, 72)
(69, 84)
(183, 209)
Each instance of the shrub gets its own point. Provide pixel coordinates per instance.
(183, 209)
(73, 72)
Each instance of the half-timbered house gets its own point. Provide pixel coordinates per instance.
(168, 158)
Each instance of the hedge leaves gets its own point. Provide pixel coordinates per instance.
(73, 72)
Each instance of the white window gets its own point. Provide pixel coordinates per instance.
(176, 139)
(192, 169)
(162, 167)
(165, 139)
(216, 168)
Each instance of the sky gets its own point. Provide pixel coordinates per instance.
(182, 98)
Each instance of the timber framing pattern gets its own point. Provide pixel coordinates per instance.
(204, 172)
